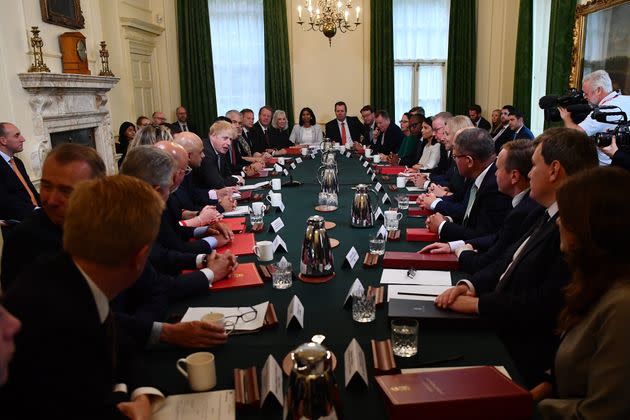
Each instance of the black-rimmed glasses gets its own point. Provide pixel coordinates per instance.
(248, 314)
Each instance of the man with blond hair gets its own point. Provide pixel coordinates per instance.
(63, 304)
(215, 171)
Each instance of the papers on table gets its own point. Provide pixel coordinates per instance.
(216, 405)
(414, 292)
(501, 369)
(421, 277)
(238, 211)
(407, 174)
(413, 189)
(253, 186)
(231, 314)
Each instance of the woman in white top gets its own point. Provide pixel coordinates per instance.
(307, 131)
(431, 150)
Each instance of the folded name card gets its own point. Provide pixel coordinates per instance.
(421, 235)
(447, 262)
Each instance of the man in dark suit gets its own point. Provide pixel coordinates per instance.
(259, 135)
(63, 304)
(521, 293)
(504, 134)
(367, 114)
(19, 196)
(512, 166)
(182, 124)
(390, 136)
(343, 129)
(517, 125)
(485, 206)
(474, 113)
(215, 172)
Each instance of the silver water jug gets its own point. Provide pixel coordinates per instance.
(317, 257)
(312, 392)
(329, 158)
(327, 177)
(361, 213)
(327, 145)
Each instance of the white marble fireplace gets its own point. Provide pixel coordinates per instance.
(64, 102)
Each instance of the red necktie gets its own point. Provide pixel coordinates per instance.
(343, 133)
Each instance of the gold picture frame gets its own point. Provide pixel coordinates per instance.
(65, 13)
(609, 41)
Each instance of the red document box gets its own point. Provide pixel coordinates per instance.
(243, 244)
(390, 170)
(446, 262)
(477, 392)
(246, 275)
(294, 151)
(419, 211)
(237, 224)
(421, 235)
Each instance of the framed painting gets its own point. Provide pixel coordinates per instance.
(600, 42)
(65, 13)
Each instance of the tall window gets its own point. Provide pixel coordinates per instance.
(236, 28)
(420, 53)
(542, 15)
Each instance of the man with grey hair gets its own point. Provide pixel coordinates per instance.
(182, 124)
(598, 91)
(486, 206)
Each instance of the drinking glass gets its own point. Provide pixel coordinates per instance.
(282, 276)
(363, 308)
(377, 244)
(405, 337)
(403, 201)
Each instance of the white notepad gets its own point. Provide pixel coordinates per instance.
(216, 405)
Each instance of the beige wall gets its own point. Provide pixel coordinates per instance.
(323, 75)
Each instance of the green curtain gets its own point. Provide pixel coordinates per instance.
(523, 66)
(382, 55)
(278, 92)
(462, 56)
(560, 47)
(196, 72)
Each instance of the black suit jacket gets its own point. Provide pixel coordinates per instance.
(190, 197)
(506, 136)
(389, 141)
(16, 203)
(212, 175)
(257, 138)
(170, 238)
(279, 138)
(356, 127)
(483, 123)
(486, 214)
(175, 128)
(63, 348)
(525, 309)
(490, 247)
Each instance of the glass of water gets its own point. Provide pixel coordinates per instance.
(282, 276)
(377, 244)
(405, 337)
(363, 308)
(403, 201)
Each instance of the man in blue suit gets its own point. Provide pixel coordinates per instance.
(517, 125)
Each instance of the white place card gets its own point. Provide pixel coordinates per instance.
(378, 213)
(366, 164)
(382, 232)
(354, 362)
(360, 158)
(271, 381)
(352, 257)
(298, 160)
(373, 177)
(356, 289)
(295, 311)
(386, 199)
(281, 207)
(277, 168)
(378, 186)
(348, 154)
(279, 242)
(370, 171)
(293, 166)
(277, 224)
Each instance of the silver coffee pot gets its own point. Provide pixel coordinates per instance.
(317, 257)
(312, 392)
(361, 213)
(327, 177)
(327, 145)
(329, 157)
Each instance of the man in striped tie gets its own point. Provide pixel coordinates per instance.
(17, 193)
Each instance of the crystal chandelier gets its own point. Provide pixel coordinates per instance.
(328, 16)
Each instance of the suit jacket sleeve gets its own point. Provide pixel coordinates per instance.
(16, 203)
(186, 285)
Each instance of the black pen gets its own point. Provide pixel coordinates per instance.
(416, 294)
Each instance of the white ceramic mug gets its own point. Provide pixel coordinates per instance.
(200, 371)
(304, 151)
(274, 198)
(258, 208)
(393, 215)
(276, 184)
(264, 250)
(368, 152)
(215, 318)
(376, 159)
(401, 181)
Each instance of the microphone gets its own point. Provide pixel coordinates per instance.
(287, 172)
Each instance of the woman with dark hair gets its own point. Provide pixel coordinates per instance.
(407, 149)
(592, 365)
(430, 157)
(307, 131)
(126, 133)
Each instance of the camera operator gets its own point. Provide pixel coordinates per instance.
(619, 158)
(598, 91)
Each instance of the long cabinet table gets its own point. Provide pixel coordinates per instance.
(324, 313)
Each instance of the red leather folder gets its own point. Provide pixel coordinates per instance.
(419, 211)
(260, 174)
(242, 244)
(421, 235)
(246, 275)
(294, 151)
(390, 170)
(237, 224)
(446, 262)
(477, 392)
